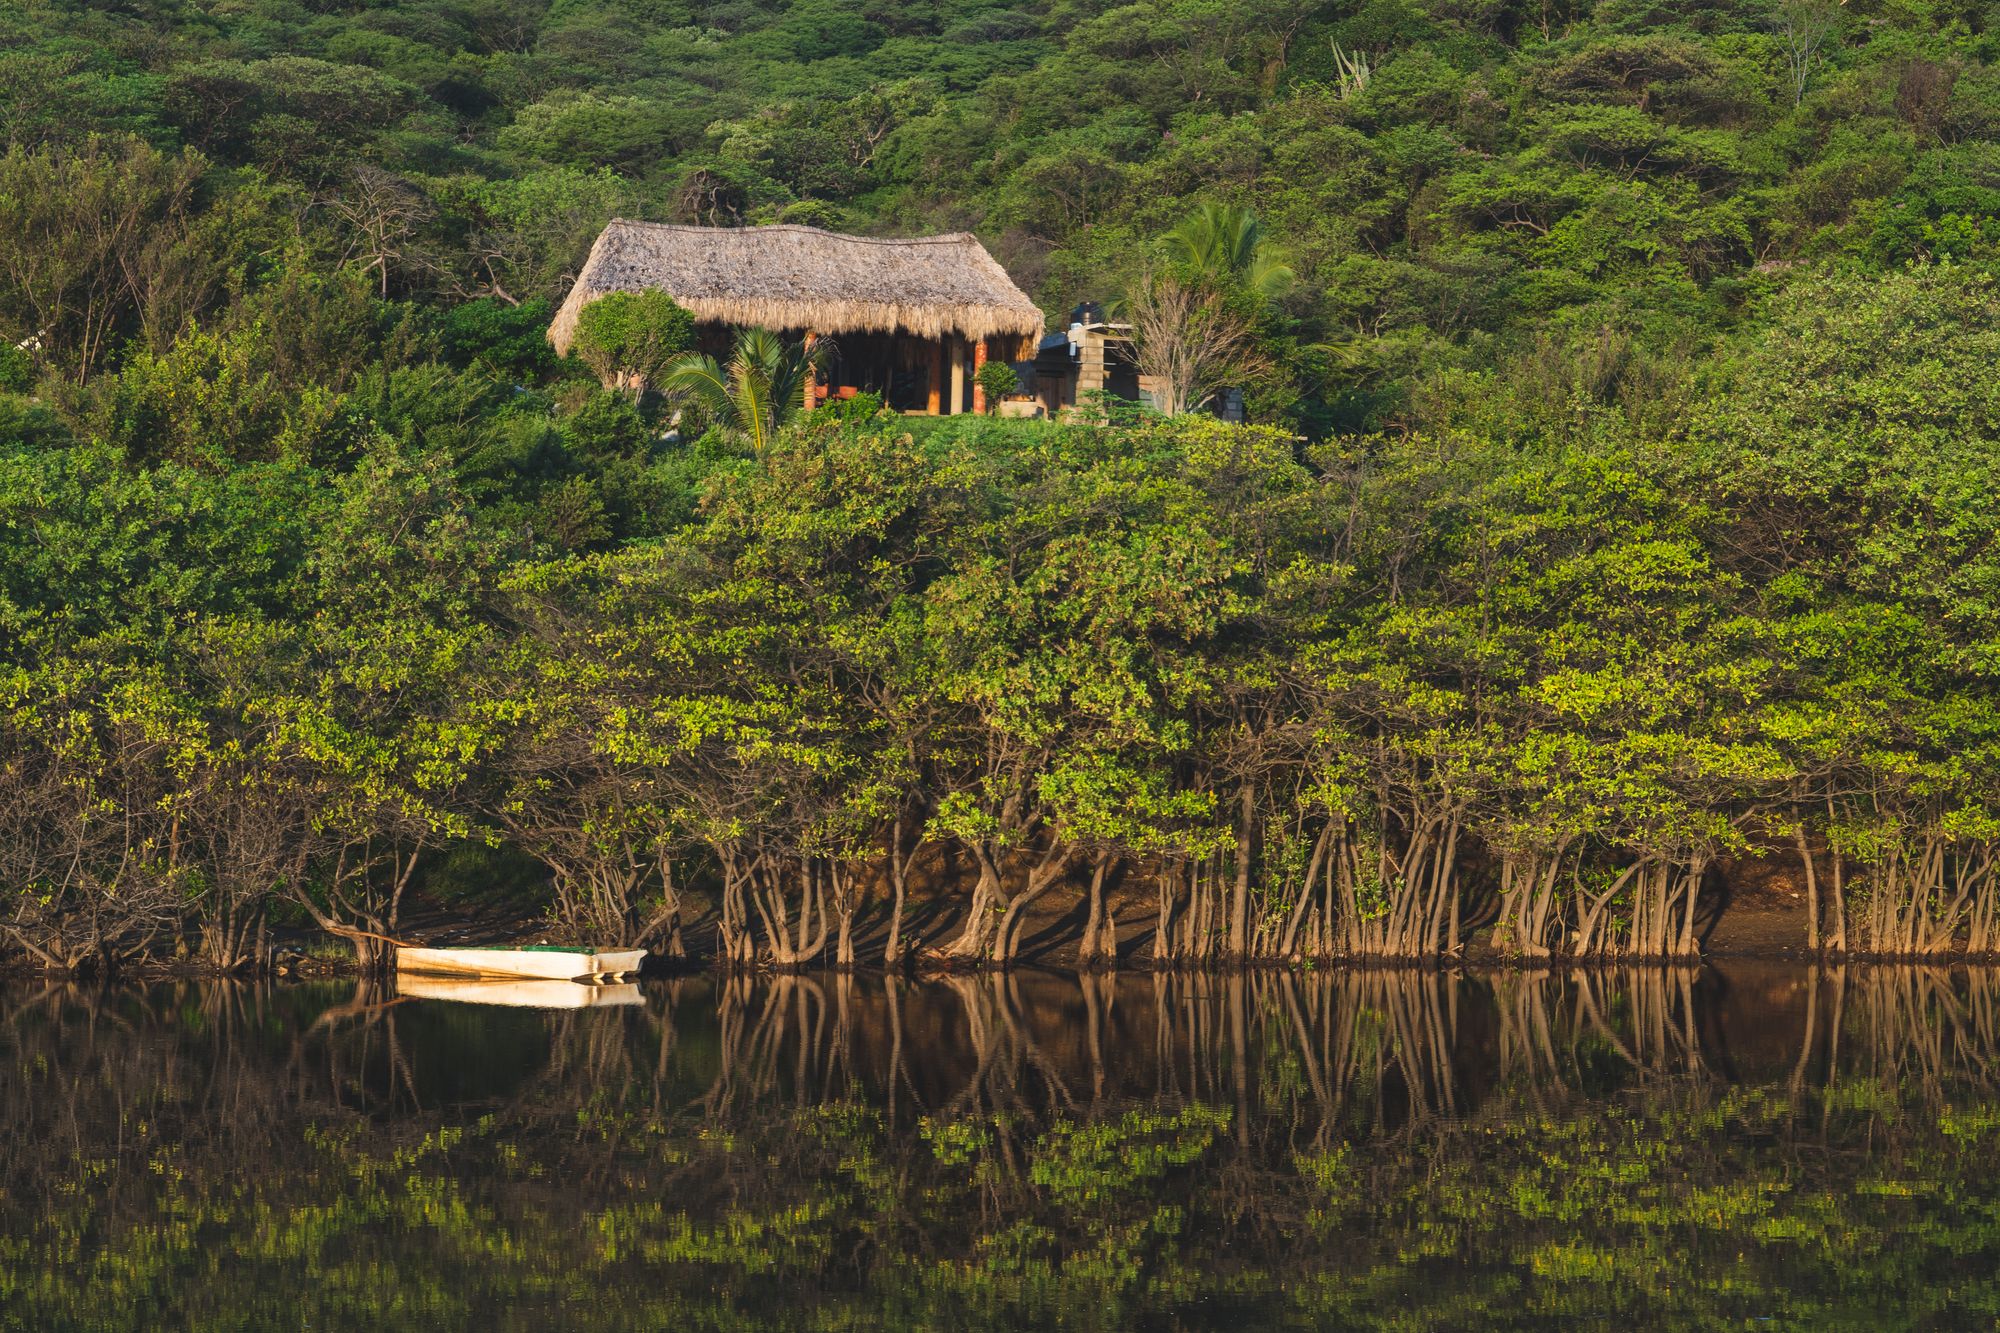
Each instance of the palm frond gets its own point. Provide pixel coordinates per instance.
(1227, 241)
(701, 378)
(755, 394)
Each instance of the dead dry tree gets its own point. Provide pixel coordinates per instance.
(383, 216)
(1191, 340)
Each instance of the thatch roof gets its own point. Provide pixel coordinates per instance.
(800, 278)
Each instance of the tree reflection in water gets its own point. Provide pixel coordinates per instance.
(1423, 1148)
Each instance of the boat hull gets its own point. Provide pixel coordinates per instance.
(545, 965)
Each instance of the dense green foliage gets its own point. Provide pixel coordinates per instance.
(1372, 697)
(1621, 507)
(1498, 215)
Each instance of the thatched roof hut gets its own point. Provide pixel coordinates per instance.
(803, 279)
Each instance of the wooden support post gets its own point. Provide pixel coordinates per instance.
(937, 377)
(812, 376)
(957, 378)
(978, 364)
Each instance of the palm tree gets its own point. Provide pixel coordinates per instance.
(761, 388)
(1223, 241)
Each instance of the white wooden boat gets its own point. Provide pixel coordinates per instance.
(544, 961)
(529, 994)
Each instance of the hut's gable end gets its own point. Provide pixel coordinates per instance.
(800, 278)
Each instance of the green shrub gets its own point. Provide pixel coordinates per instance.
(17, 369)
(511, 339)
(998, 380)
(861, 407)
(629, 337)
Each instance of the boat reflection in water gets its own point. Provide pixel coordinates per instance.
(522, 994)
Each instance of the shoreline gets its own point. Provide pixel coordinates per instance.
(295, 971)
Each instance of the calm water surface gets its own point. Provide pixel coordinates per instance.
(1749, 1147)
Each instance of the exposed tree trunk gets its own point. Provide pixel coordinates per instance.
(1090, 950)
(987, 903)
(846, 901)
(899, 886)
(1288, 943)
(1239, 900)
(1167, 891)
(1812, 889)
(666, 923)
(1054, 865)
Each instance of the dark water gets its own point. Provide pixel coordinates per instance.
(1731, 1148)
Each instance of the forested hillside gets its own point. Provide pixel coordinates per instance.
(1617, 509)
(1500, 213)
